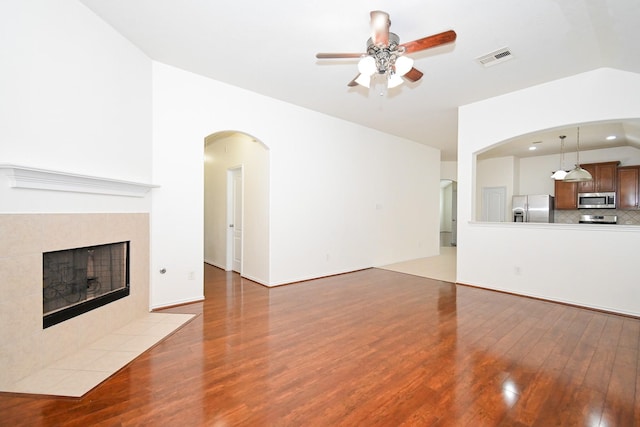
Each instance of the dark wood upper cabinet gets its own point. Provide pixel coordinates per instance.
(588, 186)
(604, 178)
(604, 175)
(628, 187)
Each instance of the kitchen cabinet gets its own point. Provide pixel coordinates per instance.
(628, 187)
(604, 178)
(566, 195)
(588, 186)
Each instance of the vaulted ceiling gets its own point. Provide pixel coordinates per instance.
(269, 48)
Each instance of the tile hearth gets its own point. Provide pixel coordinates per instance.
(75, 375)
(31, 348)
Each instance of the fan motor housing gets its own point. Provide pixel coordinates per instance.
(394, 41)
(385, 56)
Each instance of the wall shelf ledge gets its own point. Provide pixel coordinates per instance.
(42, 179)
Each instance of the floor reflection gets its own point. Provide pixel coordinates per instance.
(374, 347)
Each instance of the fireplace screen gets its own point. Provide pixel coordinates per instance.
(79, 280)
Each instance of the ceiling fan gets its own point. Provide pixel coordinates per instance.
(384, 62)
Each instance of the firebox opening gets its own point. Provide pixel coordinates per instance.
(75, 281)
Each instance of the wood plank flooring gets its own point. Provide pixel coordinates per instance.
(370, 348)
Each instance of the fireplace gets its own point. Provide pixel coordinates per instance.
(25, 237)
(79, 280)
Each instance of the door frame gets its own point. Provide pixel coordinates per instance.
(230, 216)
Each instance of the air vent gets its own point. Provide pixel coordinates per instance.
(495, 57)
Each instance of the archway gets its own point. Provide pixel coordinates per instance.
(448, 213)
(241, 158)
(523, 165)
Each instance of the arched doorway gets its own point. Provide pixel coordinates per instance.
(448, 213)
(236, 204)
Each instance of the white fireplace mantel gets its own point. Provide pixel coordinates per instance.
(43, 179)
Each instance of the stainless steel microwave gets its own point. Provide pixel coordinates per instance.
(597, 200)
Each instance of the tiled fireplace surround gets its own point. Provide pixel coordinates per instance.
(25, 346)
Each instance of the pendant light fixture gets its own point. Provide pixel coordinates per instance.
(560, 174)
(578, 174)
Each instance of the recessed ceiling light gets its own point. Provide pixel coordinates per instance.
(611, 137)
(533, 145)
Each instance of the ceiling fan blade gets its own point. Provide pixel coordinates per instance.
(353, 82)
(430, 41)
(339, 55)
(413, 75)
(380, 24)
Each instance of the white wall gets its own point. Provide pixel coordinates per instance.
(535, 173)
(342, 197)
(449, 170)
(548, 260)
(76, 97)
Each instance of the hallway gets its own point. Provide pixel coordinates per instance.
(439, 267)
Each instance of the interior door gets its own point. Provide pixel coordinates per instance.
(235, 215)
(494, 204)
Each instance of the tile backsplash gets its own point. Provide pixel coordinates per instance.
(573, 216)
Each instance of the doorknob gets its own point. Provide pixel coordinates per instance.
(230, 225)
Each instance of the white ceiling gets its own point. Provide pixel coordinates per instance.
(269, 47)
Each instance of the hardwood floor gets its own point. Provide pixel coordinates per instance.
(370, 348)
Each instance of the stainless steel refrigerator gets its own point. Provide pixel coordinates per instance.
(533, 208)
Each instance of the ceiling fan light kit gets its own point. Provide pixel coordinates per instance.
(404, 64)
(385, 56)
(367, 66)
(364, 80)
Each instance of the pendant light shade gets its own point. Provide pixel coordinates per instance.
(560, 174)
(578, 174)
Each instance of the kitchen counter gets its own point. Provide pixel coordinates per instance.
(559, 226)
